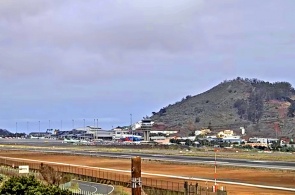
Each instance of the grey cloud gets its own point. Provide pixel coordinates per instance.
(62, 42)
(133, 27)
(97, 56)
(16, 11)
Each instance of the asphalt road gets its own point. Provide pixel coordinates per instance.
(173, 158)
(94, 188)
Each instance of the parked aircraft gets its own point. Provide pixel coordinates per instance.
(71, 141)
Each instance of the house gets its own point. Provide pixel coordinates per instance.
(225, 133)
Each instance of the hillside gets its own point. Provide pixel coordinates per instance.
(4, 132)
(263, 108)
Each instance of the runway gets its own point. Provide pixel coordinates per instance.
(55, 144)
(281, 165)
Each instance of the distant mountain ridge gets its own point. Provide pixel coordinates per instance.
(263, 108)
(4, 132)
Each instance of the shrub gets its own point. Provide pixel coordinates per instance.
(29, 185)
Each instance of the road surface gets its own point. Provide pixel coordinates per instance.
(94, 188)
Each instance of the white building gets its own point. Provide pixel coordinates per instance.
(120, 133)
(96, 132)
(232, 139)
(262, 140)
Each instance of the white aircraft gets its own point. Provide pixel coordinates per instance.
(71, 141)
(86, 142)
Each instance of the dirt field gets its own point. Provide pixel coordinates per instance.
(254, 176)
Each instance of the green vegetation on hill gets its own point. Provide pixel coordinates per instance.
(251, 103)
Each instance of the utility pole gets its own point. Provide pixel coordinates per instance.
(136, 175)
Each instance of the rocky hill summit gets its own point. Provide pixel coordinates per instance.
(262, 108)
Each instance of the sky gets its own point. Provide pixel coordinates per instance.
(113, 62)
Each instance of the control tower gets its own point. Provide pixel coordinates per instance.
(146, 127)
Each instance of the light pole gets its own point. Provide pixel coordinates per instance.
(39, 129)
(73, 122)
(84, 129)
(131, 124)
(96, 129)
(61, 125)
(16, 130)
(49, 125)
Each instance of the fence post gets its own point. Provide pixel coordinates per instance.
(185, 188)
(136, 175)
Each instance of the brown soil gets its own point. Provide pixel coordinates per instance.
(254, 176)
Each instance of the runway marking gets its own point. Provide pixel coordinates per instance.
(258, 161)
(125, 155)
(83, 184)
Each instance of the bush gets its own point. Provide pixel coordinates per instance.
(1, 178)
(29, 185)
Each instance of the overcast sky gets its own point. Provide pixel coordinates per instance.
(64, 60)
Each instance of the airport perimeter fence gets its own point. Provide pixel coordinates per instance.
(150, 186)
